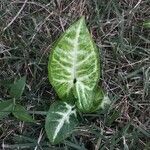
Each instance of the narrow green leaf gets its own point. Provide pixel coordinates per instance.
(20, 113)
(73, 63)
(6, 108)
(17, 88)
(146, 24)
(60, 121)
(112, 117)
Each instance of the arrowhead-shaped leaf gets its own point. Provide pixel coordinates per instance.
(74, 63)
(6, 108)
(22, 114)
(60, 121)
(17, 88)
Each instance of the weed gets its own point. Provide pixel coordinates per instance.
(117, 28)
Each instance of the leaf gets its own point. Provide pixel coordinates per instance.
(105, 101)
(6, 108)
(86, 100)
(92, 101)
(60, 121)
(22, 114)
(17, 88)
(146, 24)
(73, 62)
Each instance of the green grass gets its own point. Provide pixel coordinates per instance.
(27, 33)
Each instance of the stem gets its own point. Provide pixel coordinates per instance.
(14, 103)
(38, 112)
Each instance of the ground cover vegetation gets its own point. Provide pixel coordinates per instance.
(121, 31)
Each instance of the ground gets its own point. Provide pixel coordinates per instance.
(28, 29)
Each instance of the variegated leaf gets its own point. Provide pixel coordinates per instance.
(74, 63)
(60, 121)
(91, 101)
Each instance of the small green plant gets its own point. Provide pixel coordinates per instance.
(12, 105)
(74, 72)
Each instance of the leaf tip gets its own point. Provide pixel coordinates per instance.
(82, 19)
(105, 101)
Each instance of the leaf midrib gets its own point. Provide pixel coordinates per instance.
(75, 50)
(65, 118)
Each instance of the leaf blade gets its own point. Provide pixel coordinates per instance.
(20, 113)
(6, 108)
(60, 121)
(92, 101)
(146, 24)
(74, 59)
(17, 88)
